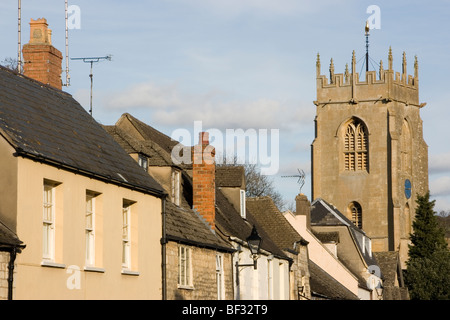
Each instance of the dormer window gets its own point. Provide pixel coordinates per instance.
(176, 187)
(143, 161)
(242, 203)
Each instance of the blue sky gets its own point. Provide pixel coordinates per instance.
(243, 64)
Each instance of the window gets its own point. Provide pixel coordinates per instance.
(406, 152)
(355, 211)
(219, 277)
(242, 202)
(143, 161)
(356, 146)
(176, 187)
(126, 243)
(48, 239)
(184, 267)
(90, 229)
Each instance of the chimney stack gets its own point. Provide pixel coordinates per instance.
(203, 179)
(303, 208)
(42, 61)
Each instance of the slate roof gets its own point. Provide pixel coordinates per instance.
(324, 214)
(8, 238)
(272, 220)
(325, 286)
(48, 125)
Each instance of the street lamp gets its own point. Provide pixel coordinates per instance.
(254, 243)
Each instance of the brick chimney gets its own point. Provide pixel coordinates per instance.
(303, 208)
(42, 60)
(203, 179)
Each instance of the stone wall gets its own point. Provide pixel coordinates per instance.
(204, 284)
(4, 259)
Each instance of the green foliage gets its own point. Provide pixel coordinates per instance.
(427, 275)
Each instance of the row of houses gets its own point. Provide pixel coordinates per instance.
(102, 212)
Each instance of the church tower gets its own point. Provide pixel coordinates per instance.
(369, 158)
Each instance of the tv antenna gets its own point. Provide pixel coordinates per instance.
(92, 60)
(67, 46)
(300, 176)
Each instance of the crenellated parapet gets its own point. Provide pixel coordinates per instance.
(384, 85)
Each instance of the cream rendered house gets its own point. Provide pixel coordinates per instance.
(89, 216)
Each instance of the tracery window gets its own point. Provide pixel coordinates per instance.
(356, 146)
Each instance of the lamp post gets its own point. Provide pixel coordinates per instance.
(254, 243)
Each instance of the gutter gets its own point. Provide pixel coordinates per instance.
(90, 174)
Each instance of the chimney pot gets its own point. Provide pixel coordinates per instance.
(42, 60)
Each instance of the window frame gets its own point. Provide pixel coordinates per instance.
(355, 146)
(48, 231)
(90, 230)
(220, 279)
(185, 267)
(242, 207)
(176, 187)
(126, 234)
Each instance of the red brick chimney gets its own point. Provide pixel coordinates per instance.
(42, 60)
(203, 179)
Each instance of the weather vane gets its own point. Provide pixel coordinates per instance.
(300, 176)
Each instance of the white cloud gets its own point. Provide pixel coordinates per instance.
(439, 163)
(169, 105)
(440, 186)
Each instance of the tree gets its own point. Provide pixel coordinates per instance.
(257, 184)
(10, 63)
(427, 274)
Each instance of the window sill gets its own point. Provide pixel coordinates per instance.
(130, 272)
(51, 264)
(94, 269)
(185, 287)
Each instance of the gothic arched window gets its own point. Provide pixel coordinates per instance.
(356, 146)
(355, 212)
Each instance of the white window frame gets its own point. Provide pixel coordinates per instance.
(185, 267)
(242, 203)
(176, 187)
(220, 280)
(90, 230)
(143, 161)
(126, 235)
(48, 221)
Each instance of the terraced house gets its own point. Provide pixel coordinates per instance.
(89, 216)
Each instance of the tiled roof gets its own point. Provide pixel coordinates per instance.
(230, 223)
(185, 225)
(272, 220)
(230, 176)
(48, 125)
(325, 286)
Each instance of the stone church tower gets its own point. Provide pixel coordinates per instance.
(369, 158)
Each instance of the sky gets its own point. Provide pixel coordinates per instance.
(242, 64)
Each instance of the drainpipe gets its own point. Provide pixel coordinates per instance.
(12, 259)
(163, 249)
